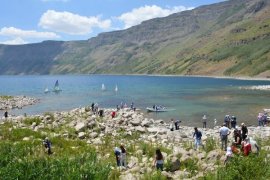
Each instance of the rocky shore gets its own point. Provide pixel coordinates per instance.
(137, 133)
(12, 102)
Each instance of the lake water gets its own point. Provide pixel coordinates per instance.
(191, 97)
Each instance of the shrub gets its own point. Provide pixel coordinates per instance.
(251, 167)
(29, 121)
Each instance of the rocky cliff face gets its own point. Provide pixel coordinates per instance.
(228, 38)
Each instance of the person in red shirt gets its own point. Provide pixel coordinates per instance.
(246, 147)
(113, 114)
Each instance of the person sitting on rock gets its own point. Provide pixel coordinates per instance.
(237, 137)
(229, 155)
(159, 160)
(246, 147)
(48, 145)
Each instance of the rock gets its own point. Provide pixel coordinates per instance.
(128, 176)
(81, 135)
(135, 169)
(213, 156)
(97, 141)
(80, 127)
(135, 122)
(146, 123)
(93, 135)
(140, 129)
(175, 164)
(91, 124)
(26, 139)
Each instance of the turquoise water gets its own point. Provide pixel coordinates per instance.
(191, 97)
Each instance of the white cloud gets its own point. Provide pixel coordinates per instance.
(136, 16)
(19, 33)
(15, 41)
(70, 23)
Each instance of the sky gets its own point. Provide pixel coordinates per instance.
(32, 21)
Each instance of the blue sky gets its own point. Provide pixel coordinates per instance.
(30, 21)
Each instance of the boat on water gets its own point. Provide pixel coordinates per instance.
(46, 90)
(103, 88)
(56, 88)
(158, 109)
(116, 89)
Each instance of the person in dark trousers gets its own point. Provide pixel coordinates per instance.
(48, 145)
(6, 114)
(233, 122)
(159, 160)
(244, 131)
(117, 153)
(204, 120)
(176, 123)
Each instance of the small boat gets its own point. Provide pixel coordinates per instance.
(158, 109)
(46, 90)
(116, 88)
(103, 88)
(56, 88)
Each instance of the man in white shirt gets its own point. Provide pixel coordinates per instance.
(224, 132)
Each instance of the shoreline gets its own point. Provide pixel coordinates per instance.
(248, 78)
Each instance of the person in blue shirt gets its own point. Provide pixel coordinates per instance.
(48, 145)
(198, 138)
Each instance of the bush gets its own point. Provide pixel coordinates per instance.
(29, 121)
(251, 167)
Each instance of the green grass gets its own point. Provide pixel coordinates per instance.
(29, 121)
(251, 167)
(6, 97)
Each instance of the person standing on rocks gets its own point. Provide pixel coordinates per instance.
(159, 160)
(204, 120)
(172, 125)
(198, 138)
(224, 132)
(244, 131)
(6, 114)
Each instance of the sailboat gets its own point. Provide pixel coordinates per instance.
(56, 88)
(116, 88)
(103, 88)
(46, 90)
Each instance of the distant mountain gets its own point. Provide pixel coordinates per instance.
(230, 38)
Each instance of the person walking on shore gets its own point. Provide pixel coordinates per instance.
(198, 138)
(204, 119)
(224, 132)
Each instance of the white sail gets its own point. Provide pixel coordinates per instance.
(103, 88)
(116, 88)
(46, 90)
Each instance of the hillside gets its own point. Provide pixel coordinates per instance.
(231, 38)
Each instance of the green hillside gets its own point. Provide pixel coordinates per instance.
(231, 38)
